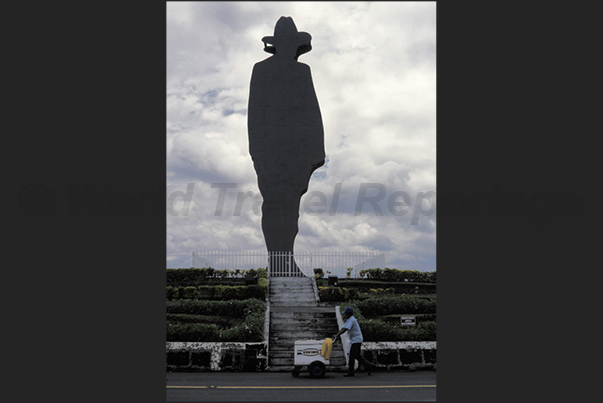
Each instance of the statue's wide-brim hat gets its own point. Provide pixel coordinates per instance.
(286, 33)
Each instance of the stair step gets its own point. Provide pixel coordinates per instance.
(290, 340)
(283, 323)
(307, 323)
(297, 293)
(298, 335)
(293, 328)
(314, 314)
(293, 291)
(293, 300)
(291, 297)
(291, 284)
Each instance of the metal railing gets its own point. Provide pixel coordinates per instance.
(288, 264)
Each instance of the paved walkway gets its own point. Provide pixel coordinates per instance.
(262, 386)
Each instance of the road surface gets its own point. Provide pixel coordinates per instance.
(281, 386)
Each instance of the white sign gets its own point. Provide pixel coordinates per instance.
(408, 321)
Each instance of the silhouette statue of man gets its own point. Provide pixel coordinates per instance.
(286, 137)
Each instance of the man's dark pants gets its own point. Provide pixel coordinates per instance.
(355, 355)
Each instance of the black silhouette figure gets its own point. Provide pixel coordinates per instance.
(286, 137)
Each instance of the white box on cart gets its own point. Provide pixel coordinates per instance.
(308, 351)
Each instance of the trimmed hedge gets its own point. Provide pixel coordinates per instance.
(195, 276)
(221, 308)
(222, 321)
(251, 330)
(341, 294)
(336, 294)
(388, 305)
(375, 329)
(250, 313)
(396, 275)
(217, 292)
(400, 287)
(378, 330)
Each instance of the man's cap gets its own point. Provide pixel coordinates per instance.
(349, 310)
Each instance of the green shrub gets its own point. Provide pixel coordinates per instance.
(260, 272)
(399, 287)
(188, 292)
(224, 292)
(221, 321)
(221, 308)
(219, 292)
(221, 273)
(392, 275)
(387, 305)
(396, 275)
(378, 330)
(188, 277)
(172, 292)
(336, 294)
(319, 273)
(348, 291)
(185, 316)
(192, 332)
(374, 273)
(375, 329)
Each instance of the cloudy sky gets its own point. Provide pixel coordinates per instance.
(374, 71)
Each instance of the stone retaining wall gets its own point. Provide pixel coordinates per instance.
(393, 355)
(189, 356)
(251, 357)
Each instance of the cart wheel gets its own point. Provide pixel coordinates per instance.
(317, 369)
(296, 372)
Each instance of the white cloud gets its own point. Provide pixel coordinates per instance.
(374, 71)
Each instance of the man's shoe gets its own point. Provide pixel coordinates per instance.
(349, 375)
(369, 370)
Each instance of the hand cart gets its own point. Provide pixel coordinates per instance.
(308, 352)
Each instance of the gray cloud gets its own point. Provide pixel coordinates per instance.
(373, 65)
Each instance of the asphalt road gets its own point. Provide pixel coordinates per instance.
(281, 386)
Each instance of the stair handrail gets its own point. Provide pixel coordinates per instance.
(315, 288)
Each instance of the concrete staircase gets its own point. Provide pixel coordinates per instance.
(291, 291)
(294, 315)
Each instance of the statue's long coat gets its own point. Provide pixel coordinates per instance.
(286, 137)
